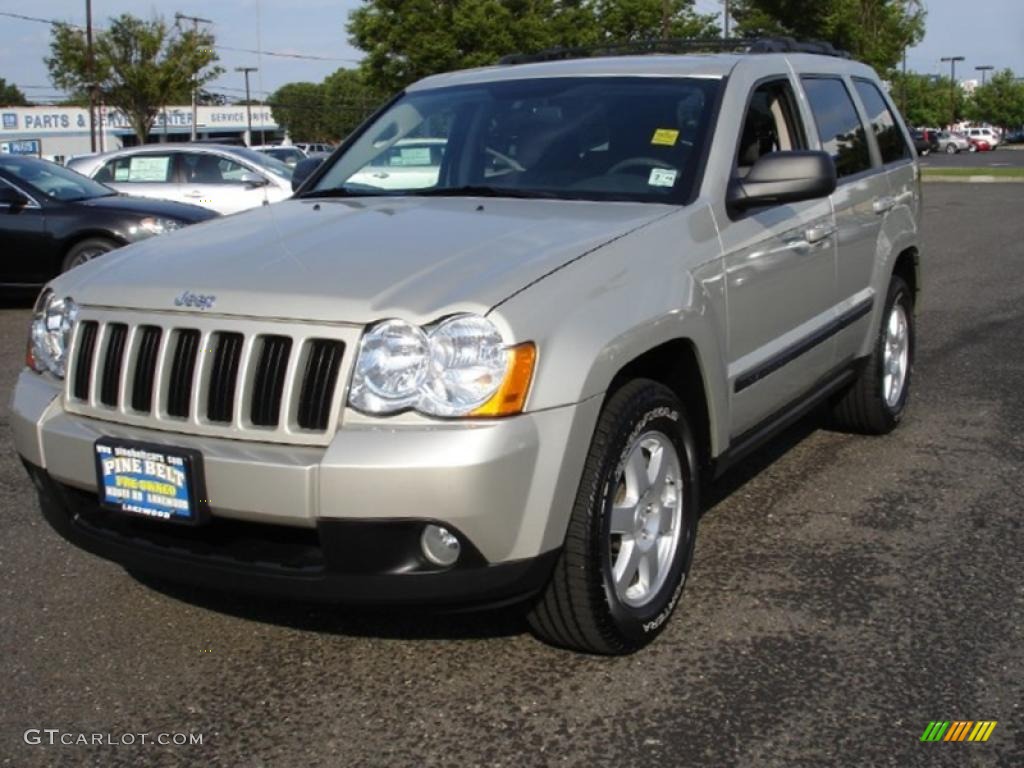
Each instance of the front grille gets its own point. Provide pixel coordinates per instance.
(210, 376)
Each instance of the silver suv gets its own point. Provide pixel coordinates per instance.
(506, 383)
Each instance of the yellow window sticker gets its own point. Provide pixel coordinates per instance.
(665, 137)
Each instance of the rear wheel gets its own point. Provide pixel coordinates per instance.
(876, 402)
(631, 534)
(951, 149)
(86, 250)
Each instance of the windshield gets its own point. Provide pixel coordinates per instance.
(596, 138)
(53, 181)
(264, 161)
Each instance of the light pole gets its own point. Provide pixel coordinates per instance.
(725, 19)
(92, 75)
(952, 86)
(195, 29)
(984, 69)
(248, 102)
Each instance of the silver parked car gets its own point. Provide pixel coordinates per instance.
(951, 143)
(508, 384)
(223, 178)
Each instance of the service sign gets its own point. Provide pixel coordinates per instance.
(152, 481)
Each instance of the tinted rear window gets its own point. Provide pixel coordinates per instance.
(841, 131)
(883, 122)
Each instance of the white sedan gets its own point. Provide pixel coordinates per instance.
(222, 178)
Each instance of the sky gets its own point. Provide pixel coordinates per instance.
(316, 28)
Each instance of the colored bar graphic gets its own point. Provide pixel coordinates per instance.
(959, 730)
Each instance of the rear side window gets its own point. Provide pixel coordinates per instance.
(883, 122)
(842, 133)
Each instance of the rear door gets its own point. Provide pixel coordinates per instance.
(146, 174)
(779, 266)
(860, 201)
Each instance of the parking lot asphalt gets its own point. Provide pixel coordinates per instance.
(1001, 158)
(846, 592)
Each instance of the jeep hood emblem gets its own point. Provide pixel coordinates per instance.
(198, 300)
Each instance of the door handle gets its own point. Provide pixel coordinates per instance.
(194, 194)
(819, 233)
(884, 204)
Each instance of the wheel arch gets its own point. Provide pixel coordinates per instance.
(80, 236)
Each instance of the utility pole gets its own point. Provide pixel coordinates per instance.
(725, 19)
(248, 102)
(195, 29)
(952, 86)
(984, 69)
(90, 65)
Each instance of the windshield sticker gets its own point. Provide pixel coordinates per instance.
(662, 177)
(665, 137)
(411, 156)
(148, 168)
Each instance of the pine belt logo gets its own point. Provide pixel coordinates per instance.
(958, 730)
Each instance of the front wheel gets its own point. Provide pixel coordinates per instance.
(876, 402)
(951, 149)
(632, 529)
(87, 250)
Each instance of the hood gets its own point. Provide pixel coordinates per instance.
(356, 260)
(144, 206)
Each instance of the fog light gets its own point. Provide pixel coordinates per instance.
(439, 545)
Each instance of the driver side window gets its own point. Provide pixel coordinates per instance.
(770, 125)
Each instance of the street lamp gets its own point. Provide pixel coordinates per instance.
(984, 69)
(952, 86)
(195, 30)
(248, 102)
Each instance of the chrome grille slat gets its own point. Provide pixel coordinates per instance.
(211, 375)
(113, 359)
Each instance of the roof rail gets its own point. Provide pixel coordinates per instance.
(680, 45)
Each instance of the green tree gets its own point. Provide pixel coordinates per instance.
(926, 100)
(11, 95)
(139, 66)
(299, 109)
(999, 102)
(348, 100)
(405, 40)
(874, 31)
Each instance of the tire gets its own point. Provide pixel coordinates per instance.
(86, 250)
(951, 149)
(876, 402)
(582, 608)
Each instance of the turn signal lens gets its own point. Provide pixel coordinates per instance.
(511, 395)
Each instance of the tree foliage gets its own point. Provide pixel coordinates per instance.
(927, 100)
(325, 111)
(999, 102)
(873, 31)
(138, 66)
(405, 40)
(11, 95)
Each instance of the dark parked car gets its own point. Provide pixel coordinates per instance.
(52, 219)
(925, 140)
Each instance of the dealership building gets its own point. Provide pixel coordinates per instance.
(58, 133)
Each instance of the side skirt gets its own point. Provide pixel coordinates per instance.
(759, 434)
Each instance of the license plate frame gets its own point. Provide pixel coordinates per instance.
(139, 499)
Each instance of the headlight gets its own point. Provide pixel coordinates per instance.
(153, 226)
(52, 322)
(455, 368)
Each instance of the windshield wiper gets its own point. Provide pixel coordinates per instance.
(481, 191)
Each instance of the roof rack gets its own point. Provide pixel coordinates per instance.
(680, 45)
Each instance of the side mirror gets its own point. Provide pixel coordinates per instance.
(253, 180)
(303, 170)
(12, 198)
(784, 177)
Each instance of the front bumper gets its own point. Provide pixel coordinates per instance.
(337, 523)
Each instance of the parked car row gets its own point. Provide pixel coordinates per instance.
(928, 140)
(53, 219)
